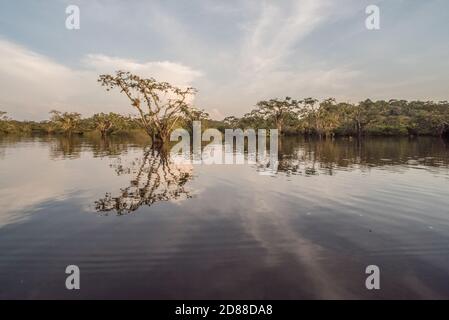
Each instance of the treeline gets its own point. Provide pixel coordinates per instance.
(330, 118)
(308, 117)
(72, 123)
(69, 123)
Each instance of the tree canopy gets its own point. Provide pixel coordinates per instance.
(160, 105)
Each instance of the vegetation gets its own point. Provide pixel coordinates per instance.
(109, 123)
(162, 107)
(329, 118)
(66, 121)
(275, 110)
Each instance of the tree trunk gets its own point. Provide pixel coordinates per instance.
(161, 138)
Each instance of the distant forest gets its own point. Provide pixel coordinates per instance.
(327, 118)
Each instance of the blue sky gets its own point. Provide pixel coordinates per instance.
(234, 52)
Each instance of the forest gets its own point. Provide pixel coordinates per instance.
(161, 107)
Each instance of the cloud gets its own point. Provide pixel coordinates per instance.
(271, 37)
(271, 63)
(246, 50)
(337, 82)
(262, 64)
(176, 73)
(33, 84)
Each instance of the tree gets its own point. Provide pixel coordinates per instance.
(440, 118)
(309, 114)
(194, 114)
(277, 110)
(254, 120)
(67, 121)
(108, 122)
(102, 123)
(166, 105)
(362, 114)
(231, 122)
(328, 118)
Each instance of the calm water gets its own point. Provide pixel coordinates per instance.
(139, 226)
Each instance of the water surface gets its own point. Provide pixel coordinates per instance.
(139, 226)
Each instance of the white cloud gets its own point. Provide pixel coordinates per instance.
(278, 28)
(32, 84)
(337, 82)
(248, 50)
(162, 70)
(270, 62)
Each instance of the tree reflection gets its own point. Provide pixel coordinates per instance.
(310, 157)
(155, 178)
(108, 146)
(63, 147)
(66, 147)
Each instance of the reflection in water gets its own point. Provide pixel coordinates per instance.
(66, 147)
(313, 157)
(335, 207)
(155, 178)
(63, 147)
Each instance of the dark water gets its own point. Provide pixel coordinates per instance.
(139, 226)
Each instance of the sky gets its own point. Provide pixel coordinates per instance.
(235, 53)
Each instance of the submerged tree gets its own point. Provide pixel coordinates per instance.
(155, 178)
(107, 123)
(102, 123)
(66, 121)
(161, 106)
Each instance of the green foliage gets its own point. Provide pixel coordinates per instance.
(8, 125)
(329, 118)
(68, 122)
(161, 106)
(276, 111)
(109, 123)
(308, 117)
